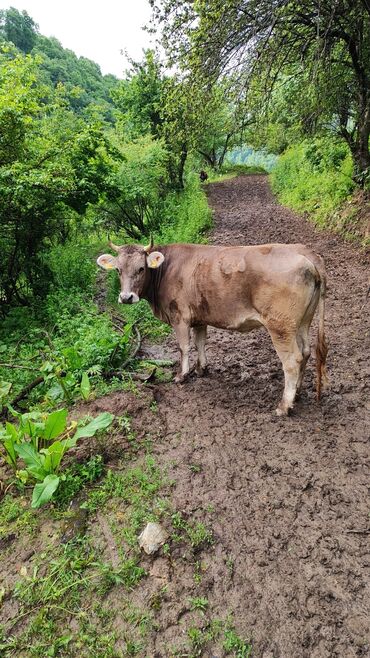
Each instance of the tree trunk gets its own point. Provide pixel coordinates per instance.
(361, 153)
(358, 142)
(224, 151)
(209, 158)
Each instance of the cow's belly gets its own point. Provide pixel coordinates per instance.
(233, 319)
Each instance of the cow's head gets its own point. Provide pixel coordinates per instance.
(132, 263)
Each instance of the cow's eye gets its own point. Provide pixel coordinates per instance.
(141, 269)
(118, 270)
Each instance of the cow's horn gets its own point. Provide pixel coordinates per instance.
(150, 245)
(113, 246)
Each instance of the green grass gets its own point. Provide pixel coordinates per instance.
(69, 580)
(195, 533)
(188, 217)
(215, 630)
(16, 516)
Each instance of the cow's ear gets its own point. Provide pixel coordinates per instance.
(155, 259)
(107, 262)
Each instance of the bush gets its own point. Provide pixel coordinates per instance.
(72, 267)
(314, 176)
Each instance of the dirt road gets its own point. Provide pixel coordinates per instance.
(286, 498)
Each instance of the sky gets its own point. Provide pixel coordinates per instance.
(95, 30)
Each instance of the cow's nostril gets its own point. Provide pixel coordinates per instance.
(126, 298)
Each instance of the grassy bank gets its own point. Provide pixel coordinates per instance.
(316, 176)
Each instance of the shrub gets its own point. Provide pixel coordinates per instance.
(314, 176)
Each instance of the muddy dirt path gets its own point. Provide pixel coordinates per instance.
(286, 498)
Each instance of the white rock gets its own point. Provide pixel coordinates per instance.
(152, 538)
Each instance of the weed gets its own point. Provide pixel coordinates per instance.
(40, 442)
(77, 476)
(195, 533)
(16, 516)
(199, 536)
(233, 643)
(195, 468)
(197, 573)
(199, 603)
(128, 574)
(230, 563)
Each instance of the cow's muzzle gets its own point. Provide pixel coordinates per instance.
(127, 298)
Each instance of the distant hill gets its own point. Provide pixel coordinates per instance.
(81, 77)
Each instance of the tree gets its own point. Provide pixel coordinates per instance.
(139, 97)
(52, 165)
(326, 42)
(19, 28)
(134, 198)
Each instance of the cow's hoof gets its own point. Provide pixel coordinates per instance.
(181, 379)
(201, 372)
(282, 410)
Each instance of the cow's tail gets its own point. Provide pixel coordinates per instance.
(321, 347)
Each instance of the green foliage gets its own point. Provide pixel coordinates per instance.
(53, 164)
(76, 477)
(243, 169)
(134, 203)
(187, 216)
(86, 89)
(196, 533)
(139, 97)
(19, 28)
(314, 176)
(233, 644)
(199, 603)
(41, 441)
(302, 66)
(78, 345)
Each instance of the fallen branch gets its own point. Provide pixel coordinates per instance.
(16, 366)
(23, 393)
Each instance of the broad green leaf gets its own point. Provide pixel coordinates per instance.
(101, 422)
(55, 424)
(5, 388)
(30, 428)
(13, 411)
(33, 460)
(53, 456)
(85, 386)
(11, 457)
(43, 491)
(11, 430)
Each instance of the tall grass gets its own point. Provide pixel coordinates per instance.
(187, 215)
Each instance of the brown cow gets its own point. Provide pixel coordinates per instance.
(276, 286)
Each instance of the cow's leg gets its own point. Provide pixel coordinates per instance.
(200, 337)
(182, 332)
(291, 358)
(303, 341)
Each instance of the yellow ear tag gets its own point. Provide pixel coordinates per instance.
(155, 259)
(109, 266)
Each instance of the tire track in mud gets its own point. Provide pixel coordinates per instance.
(287, 498)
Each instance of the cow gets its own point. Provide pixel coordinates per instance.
(241, 288)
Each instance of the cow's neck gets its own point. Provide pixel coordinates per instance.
(155, 278)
